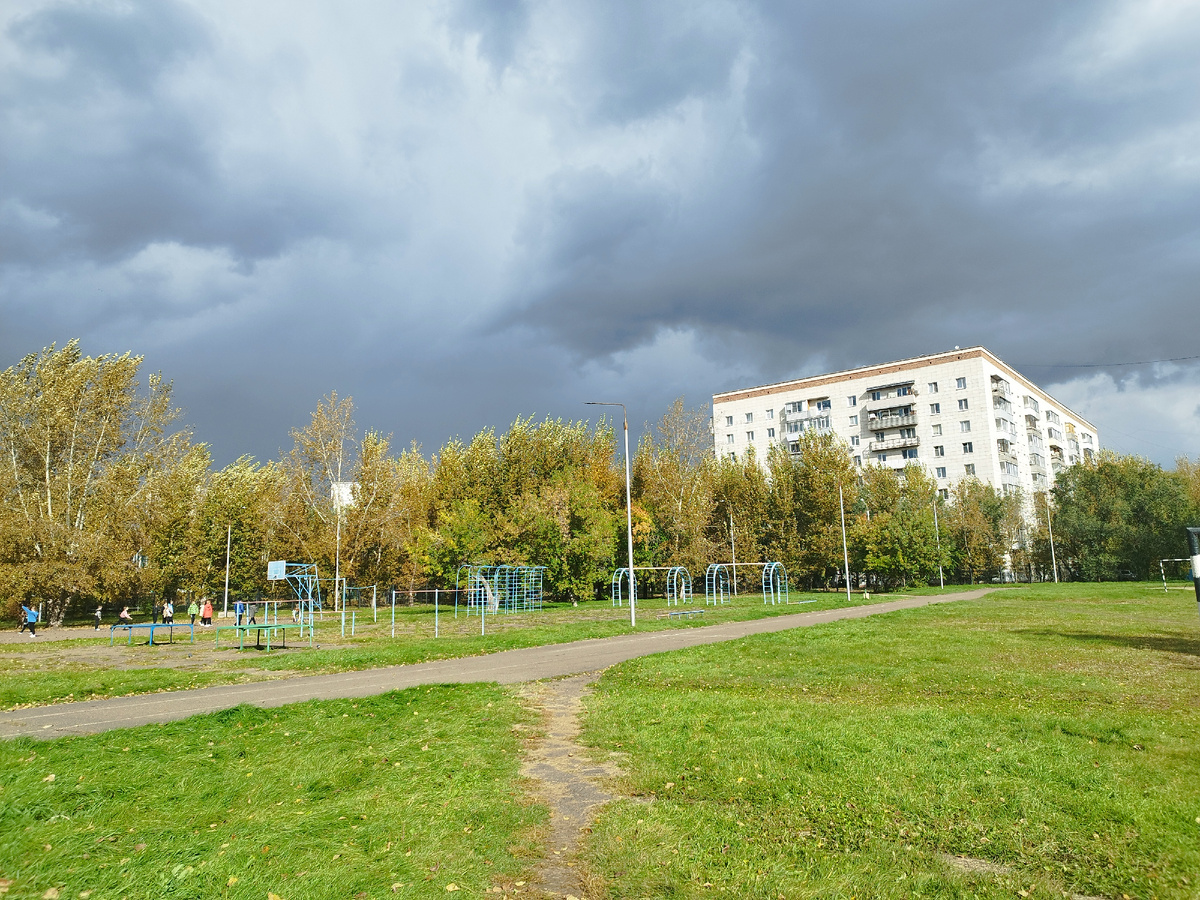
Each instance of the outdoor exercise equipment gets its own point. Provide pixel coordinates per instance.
(775, 583)
(716, 584)
(306, 585)
(499, 589)
(679, 586)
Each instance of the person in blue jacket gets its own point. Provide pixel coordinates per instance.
(239, 609)
(31, 618)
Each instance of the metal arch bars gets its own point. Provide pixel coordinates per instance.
(502, 588)
(716, 584)
(679, 585)
(775, 583)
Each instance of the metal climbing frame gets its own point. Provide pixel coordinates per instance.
(503, 588)
(306, 585)
(716, 584)
(774, 583)
(618, 576)
(679, 585)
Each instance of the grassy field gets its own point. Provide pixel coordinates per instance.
(45, 670)
(403, 795)
(1046, 738)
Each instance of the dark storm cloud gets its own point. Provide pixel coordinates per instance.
(465, 211)
(877, 222)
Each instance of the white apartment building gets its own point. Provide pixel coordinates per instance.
(958, 414)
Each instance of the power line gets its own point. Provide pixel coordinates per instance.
(1144, 362)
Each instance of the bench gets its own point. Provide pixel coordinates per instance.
(151, 627)
(681, 614)
(269, 628)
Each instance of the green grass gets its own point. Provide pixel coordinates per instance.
(416, 789)
(48, 671)
(1049, 730)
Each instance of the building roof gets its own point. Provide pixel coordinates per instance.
(889, 369)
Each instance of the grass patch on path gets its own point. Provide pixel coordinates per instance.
(1048, 730)
(414, 790)
(44, 672)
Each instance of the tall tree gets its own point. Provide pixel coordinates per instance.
(88, 463)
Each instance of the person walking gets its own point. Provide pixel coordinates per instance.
(206, 614)
(125, 618)
(193, 611)
(168, 613)
(253, 614)
(154, 613)
(239, 609)
(30, 620)
(99, 612)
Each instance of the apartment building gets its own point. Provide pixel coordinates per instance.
(961, 413)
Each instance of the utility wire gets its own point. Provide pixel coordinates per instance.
(1144, 362)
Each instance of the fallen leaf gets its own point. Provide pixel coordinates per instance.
(51, 894)
(139, 846)
(83, 895)
(50, 777)
(232, 881)
(452, 887)
(271, 896)
(396, 885)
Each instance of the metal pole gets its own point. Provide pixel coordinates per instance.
(733, 547)
(435, 612)
(337, 558)
(937, 536)
(845, 548)
(1194, 544)
(628, 515)
(393, 612)
(228, 536)
(1050, 528)
(374, 603)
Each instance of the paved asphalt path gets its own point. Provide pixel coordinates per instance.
(506, 667)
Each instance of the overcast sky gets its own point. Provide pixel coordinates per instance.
(463, 212)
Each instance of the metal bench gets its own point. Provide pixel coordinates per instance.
(268, 627)
(151, 627)
(681, 614)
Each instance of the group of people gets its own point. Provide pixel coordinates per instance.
(205, 612)
(203, 609)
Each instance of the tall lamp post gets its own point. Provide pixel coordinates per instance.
(228, 538)
(1050, 528)
(628, 513)
(937, 536)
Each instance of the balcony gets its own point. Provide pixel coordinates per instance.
(1008, 457)
(879, 422)
(895, 443)
(1001, 389)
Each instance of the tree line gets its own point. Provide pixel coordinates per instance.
(103, 498)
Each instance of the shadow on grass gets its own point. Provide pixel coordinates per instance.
(1160, 643)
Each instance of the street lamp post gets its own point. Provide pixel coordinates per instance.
(1050, 528)
(228, 538)
(628, 513)
(845, 547)
(937, 536)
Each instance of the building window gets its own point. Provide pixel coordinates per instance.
(880, 435)
(728, 420)
(876, 395)
(822, 405)
(770, 432)
(968, 447)
(729, 438)
(749, 435)
(935, 408)
(770, 414)
(962, 404)
(937, 430)
(970, 468)
(854, 420)
(883, 457)
(910, 453)
(903, 391)
(960, 383)
(944, 493)
(941, 471)
(749, 417)
(852, 401)
(932, 387)
(854, 440)
(733, 456)
(908, 432)
(964, 426)
(939, 450)
(858, 460)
